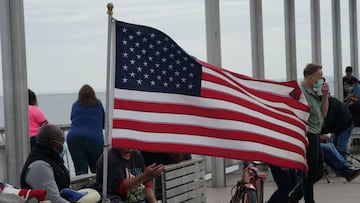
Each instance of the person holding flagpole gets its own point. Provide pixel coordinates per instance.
(313, 85)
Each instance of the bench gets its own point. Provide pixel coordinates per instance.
(182, 182)
(354, 142)
(81, 181)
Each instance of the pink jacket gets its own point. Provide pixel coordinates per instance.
(36, 120)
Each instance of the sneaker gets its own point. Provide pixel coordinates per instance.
(355, 173)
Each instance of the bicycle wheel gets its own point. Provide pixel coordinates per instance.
(260, 191)
(248, 196)
(245, 195)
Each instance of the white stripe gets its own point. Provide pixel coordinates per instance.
(211, 123)
(264, 86)
(280, 90)
(154, 97)
(220, 88)
(207, 142)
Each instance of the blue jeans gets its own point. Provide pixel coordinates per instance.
(285, 181)
(84, 154)
(314, 158)
(341, 140)
(334, 159)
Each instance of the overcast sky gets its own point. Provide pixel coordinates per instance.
(66, 40)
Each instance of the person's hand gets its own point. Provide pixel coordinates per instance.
(325, 88)
(153, 170)
(323, 138)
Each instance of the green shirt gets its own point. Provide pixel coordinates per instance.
(315, 120)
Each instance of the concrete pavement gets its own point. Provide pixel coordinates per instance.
(337, 191)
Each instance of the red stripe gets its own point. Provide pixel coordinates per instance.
(206, 132)
(207, 93)
(292, 84)
(219, 152)
(273, 97)
(204, 112)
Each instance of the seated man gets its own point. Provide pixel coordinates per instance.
(44, 167)
(127, 176)
(336, 161)
(339, 122)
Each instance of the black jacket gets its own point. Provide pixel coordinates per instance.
(338, 117)
(44, 153)
(355, 112)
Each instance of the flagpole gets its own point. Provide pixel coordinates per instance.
(109, 102)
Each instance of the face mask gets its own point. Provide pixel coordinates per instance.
(318, 85)
(63, 152)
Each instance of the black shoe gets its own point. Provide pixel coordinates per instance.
(355, 173)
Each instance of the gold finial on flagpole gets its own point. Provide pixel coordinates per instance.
(110, 7)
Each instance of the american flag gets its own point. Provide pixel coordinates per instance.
(168, 101)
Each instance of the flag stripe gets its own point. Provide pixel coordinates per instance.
(177, 109)
(189, 120)
(209, 104)
(247, 105)
(210, 132)
(272, 87)
(274, 99)
(214, 146)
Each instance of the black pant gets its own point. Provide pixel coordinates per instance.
(84, 154)
(285, 181)
(315, 171)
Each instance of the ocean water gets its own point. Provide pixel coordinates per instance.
(56, 107)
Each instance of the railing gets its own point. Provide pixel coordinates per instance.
(67, 158)
(64, 127)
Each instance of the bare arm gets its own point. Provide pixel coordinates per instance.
(150, 172)
(150, 196)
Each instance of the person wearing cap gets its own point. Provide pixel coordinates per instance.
(348, 81)
(44, 167)
(354, 89)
